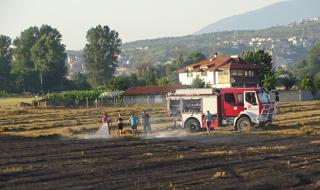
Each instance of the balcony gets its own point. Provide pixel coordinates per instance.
(238, 80)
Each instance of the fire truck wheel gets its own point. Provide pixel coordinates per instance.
(192, 125)
(243, 123)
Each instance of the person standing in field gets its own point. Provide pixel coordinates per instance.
(146, 122)
(106, 120)
(133, 122)
(120, 124)
(208, 118)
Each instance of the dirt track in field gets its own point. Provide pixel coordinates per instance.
(198, 162)
(53, 149)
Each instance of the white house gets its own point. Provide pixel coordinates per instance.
(221, 72)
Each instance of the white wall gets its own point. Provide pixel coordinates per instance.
(185, 80)
(211, 78)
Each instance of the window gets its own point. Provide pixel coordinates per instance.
(249, 73)
(237, 72)
(234, 73)
(241, 73)
(240, 98)
(189, 74)
(204, 72)
(229, 98)
(223, 73)
(251, 98)
(175, 107)
(192, 105)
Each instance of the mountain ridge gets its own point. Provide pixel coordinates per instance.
(266, 17)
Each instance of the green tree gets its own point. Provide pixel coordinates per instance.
(310, 66)
(38, 54)
(263, 59)
(163, 81)
(288, 82)
(301, 69)
(116, 84)
(284, 78)
(79, 81)
(23, 67)
(101, 53)
(194, 57)
(313, 59)
(5, 60)
(268, 82)
(198, 82)
(146, 71)
(306, 83)
(171, 71)
(316, 81)
(179, 57)
(48, 55)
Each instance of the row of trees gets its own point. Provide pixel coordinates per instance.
(36, 63)
(308, 70)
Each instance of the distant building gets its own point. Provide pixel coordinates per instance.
(221, 72)
(282, 63)
(75, 64)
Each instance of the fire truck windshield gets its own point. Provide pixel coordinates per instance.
(264, 97)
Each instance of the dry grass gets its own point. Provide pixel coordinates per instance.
(12, 102)
(293, 119)
(34, 122)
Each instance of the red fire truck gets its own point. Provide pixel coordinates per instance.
(237, 107)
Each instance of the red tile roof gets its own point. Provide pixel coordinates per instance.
(221, 63)
(152, 90)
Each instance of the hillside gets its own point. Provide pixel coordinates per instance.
(289, 43)
(281, 13)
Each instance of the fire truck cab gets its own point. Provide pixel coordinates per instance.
(237, 107)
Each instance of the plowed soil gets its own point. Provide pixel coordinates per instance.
(55, 149)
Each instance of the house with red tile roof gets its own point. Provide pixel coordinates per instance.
(149, 94)
(221, 72)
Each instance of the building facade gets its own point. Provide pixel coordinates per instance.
(221, 72)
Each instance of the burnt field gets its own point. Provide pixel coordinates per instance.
(197, 162)
(54, 149)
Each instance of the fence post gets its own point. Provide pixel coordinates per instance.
(87, 102)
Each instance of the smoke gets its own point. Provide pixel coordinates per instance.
(168, 134)
(102, 133)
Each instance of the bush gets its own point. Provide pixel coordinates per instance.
(5, 94)
(198, 82)
(69, 98)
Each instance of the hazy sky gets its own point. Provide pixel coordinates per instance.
(133, 19)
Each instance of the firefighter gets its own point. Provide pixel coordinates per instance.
(146, 122)
(208, 118)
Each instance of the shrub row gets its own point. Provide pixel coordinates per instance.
(69, 98)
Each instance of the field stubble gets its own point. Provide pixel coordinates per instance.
(48, 149)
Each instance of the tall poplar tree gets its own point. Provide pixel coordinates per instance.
(101, 53)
